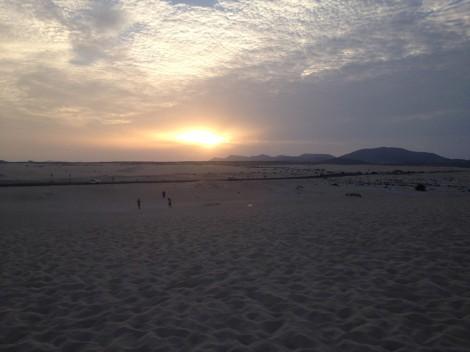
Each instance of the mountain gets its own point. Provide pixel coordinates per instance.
(399, 156)
(304, 158)
(382, 155)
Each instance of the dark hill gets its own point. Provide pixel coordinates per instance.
(311, 158)
(400, 156)
(382, 155)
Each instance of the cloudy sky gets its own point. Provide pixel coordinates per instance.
(125, 79)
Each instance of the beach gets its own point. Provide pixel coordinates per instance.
(236, 264)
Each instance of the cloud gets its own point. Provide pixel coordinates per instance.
(195, 2)
(95, 32)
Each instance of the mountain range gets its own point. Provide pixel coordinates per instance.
(263, 157)
(381, 155)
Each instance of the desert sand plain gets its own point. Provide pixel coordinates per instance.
(244, 265)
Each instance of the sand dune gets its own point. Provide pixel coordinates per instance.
(301, 269)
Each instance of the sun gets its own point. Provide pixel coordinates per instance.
(204, 138)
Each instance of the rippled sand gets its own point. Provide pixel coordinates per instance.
(235, 266)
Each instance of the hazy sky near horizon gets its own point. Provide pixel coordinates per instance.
(109, 79)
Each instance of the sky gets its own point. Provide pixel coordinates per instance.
(104, 80)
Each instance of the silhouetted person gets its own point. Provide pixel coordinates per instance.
(139, 203)
(163, 194)
(170, 203)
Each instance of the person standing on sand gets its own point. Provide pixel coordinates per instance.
(163, 194)
(138, 203)
(170, 204)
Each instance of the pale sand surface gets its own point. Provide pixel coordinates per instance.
(238, 266)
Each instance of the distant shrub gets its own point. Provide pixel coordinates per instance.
(420, 187)
(358, 195)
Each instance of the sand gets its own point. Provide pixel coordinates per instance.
(285, 265)
(121, 172)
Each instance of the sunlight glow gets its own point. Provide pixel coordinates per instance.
(203, 138)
